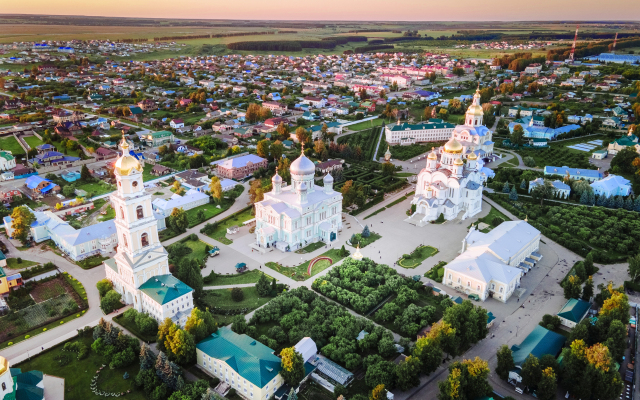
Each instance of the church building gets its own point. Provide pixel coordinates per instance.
(289, 218)
(140, 269)
(450, 187)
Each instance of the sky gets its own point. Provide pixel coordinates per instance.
(351, 10)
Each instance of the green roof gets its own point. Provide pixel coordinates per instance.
(574, 310)
(161, 134)
(6, 156)
(164, 288)
(25, 385)
(111, 263)
(251, 359)
(2, 274)
(539, 342)
(421, 126)
(2, 256)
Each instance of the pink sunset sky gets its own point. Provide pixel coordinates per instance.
(353, 10)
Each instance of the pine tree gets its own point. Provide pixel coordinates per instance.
(262, 286)
(513, 195)
(636, 204)
(274, 285)
(628, 204)
(365, 232)
(161, 361)
(600, 201)
(592, 198)
(146, 357)
(584, 198)
(619, 202)
(523, 185)
(506, 188)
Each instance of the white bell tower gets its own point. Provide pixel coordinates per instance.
(140, 254)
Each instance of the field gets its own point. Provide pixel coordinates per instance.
(10, 143)
(79, 373)
(33, 141)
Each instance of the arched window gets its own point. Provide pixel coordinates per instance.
(124, 238)
(501, 289)
(144, 239)
(478, 287)
(121, 212)
(449, 276)
(458, 280)
(139, 212)
(468, 284)
(4, 386)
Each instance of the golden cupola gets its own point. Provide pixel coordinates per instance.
(127, 163)
(432, 155)
(453, 146)
(472, 156)
(475, 109)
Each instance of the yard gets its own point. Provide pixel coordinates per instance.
(220, 231)
(300, 272)
(363, 125)
(198, 249)
(224, 308)
(311, 248)
(95, 188)
(146, 173)
(12, 263)
(493, 219)
(33, 141)
(363, 241)
(10, 143)
(251, 276)
(79, 373)
(91, 262)
(210, 210)
(111, 214)
(133, 328)
(417, 256)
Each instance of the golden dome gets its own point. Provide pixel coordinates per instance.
(432, 155)
(472, 156)
(458, 161)
(475, 110)
(453, 146)
(127, 163)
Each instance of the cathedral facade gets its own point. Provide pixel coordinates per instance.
(302, 213)
(140, 269)
(448, 185)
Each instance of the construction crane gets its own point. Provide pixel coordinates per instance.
(613, 49)
(573, 48)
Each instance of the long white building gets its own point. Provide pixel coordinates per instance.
(491, 264)
(292, 217)
(140, 269)
(434, 130)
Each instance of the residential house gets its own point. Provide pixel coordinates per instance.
(160, 170)
(159, 138)
(176, 123)
(329, 166)
(239, 167)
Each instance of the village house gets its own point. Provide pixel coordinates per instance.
(239, 167)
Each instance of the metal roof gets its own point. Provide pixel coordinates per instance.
(164, 288)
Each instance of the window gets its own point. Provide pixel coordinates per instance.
(468, 284)
(121, 213)
(144, 239)
(501, 289)
(139, 212)
(478, 287)
(458, 280)
(135, 183)
(449, 276)
(125, 241)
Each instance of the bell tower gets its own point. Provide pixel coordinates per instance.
(140, 254)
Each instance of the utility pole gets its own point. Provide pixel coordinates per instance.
(573, 48)
(613, 49)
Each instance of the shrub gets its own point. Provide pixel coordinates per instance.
(237, 294)
(19, 260)
(440, 218)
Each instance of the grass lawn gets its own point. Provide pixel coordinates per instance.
(33, 141)
(220, 233)
(404, 174)
(111, 214)
(251, 276)
(198, 247)
(167, 234)
(311, 248)
(210, 211)
(10, 143)
(221, 298)
(512, 161)
(364, 242)
(95, 188)
(91, 262)
(364, 125)
(489, 219)
(79, 373)
(158, 194)
(146, 173)
(12, 263)
(417, 256)
(133, 328)
(299, 272)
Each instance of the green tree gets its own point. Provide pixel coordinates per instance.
(587, 290)
(262, 286)
(85, 175)
(634, 267)
(181, 346)
(544, 191)
(517, 136)
(200, 324)
(179, 220)
(237, 294)
(262, 148)
(388, 169)
(616, 340)
(572, 287)
(110, 301)
(547, 386)
(22, 218)
(104, 286)
(531, 372)
(505, 362)
(408, 373)
(292, 366)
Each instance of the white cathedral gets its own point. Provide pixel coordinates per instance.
(140, 269)
(302, 213)
(451, 187)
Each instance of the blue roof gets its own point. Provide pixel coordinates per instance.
(587, 173)
(32, 182)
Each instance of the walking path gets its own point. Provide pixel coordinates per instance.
(375, 153)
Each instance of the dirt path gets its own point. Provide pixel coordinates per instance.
(93, 219)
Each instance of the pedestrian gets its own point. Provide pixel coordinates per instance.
(42, 348)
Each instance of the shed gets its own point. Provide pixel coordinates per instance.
(307, 348)
(573, 312)
(539, 342)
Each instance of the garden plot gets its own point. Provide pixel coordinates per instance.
(597, 142)
(40, 313)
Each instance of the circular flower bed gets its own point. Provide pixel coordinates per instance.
(98, 392)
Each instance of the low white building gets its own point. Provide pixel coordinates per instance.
(7, 160)
(562, 189)
(192, 199)
(491, 264)
(612, 185)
